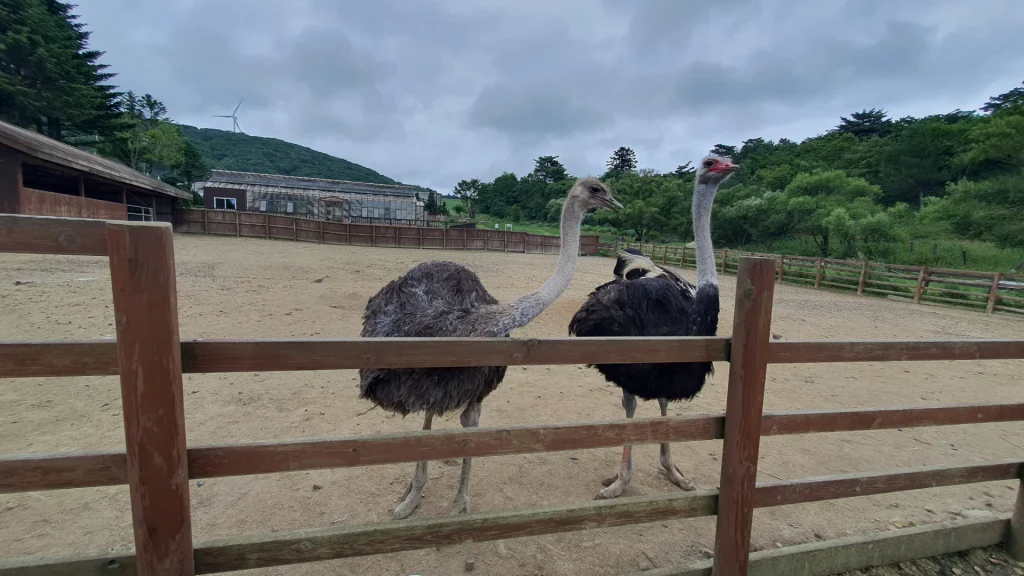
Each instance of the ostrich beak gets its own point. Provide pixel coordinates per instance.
(727, 167)
(613, 204)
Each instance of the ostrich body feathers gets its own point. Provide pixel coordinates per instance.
(648, 300)
(432, 300)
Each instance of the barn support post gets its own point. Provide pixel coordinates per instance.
(748, 363)
(81, 186)
(993, 292)
(11, 181)
(149, 357)
(817, 274)
(863, 278)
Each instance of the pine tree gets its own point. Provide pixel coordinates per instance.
(623, 161)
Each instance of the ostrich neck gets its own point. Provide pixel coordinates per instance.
(501, 319)
(703, 198)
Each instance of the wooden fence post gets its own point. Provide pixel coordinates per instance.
(748, 363)
(920, 285)
(266, 220)
(238, 224)
(725, 258)
(863, 278)
(206, 221)
(1015, 535)
(782, 268)
(373, 234)
(993, 292)
(664, 255)
(295, 229)
(149, 356)
(321, 225)
(817, 274)
(444, 238)
(682, 259)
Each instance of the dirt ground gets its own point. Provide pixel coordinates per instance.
(252, 288)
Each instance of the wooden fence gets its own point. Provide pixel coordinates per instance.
(158, 463)
(257, 225)
(989, 291)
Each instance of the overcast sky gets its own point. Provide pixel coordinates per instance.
(432, 91)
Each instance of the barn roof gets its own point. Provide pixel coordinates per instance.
(270, 182)
(44, 148)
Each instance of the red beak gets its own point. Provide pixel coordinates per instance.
(724, 167)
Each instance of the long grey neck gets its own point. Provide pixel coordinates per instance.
(703, 198)
(505, 318)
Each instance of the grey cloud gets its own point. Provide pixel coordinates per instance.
(430, 91)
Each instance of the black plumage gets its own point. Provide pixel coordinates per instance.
(649, 300)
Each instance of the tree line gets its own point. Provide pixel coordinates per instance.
(53, 83)
(859, 190)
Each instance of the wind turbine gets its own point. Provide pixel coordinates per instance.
(234, 119)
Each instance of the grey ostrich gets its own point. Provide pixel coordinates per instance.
(445, 299)
(648, 300)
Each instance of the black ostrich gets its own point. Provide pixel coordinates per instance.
(445, 299)
(648, 300)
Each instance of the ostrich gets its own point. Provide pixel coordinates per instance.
(445, 299)
(649, 300)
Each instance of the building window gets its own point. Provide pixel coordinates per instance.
(224, 204)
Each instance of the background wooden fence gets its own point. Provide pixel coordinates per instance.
(158, 462)
(257, 225)
(989, 291)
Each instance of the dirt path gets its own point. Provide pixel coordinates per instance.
(253, 288)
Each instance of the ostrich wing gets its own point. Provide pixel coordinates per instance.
(632, 264)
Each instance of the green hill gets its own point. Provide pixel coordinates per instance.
(235, 151)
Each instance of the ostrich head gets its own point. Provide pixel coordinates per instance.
(589, 193)
(714, 170)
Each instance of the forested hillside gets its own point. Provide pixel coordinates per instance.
(871, 187)
(236, 151)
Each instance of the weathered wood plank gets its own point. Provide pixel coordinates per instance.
(24, 473)
(118, 563)
(293, 355)
(867, 484)
(98, 358)
(256, 551)
(35, 472)
(748, 364)
(146, 317)
(859, 552)
(57, 359)
(51, 235)
(894, 351)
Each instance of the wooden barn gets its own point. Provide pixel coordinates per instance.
(43, 177)
(318, 198)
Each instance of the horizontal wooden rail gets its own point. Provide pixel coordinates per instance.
(99, 358)
(894, 351)
(51, 235)
(276, 549)
(24, 473)
(843, 555)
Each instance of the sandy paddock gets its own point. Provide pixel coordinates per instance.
(253, 288)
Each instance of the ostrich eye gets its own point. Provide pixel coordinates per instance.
(709, 163)
(595, 189)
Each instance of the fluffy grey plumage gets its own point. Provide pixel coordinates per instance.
(434, 299)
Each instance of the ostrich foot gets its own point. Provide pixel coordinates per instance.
(614, 487)
(615, 484)
(461, 505)
(410, 501)
(676, 477)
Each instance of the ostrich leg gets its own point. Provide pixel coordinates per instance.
(411, 498)
(674, 475)
(470, 418)
(615, 484)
